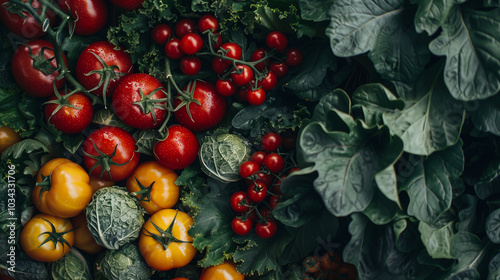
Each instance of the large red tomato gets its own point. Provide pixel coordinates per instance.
(179, 149)
(69, 114)
(90, 15)
(128, 4)
(27, 27)
(35, 68)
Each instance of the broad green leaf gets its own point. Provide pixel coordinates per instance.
(381, 210)
(431, 14)
(491, 3)
(470, 251)
(470, 42)
(375, 100)
(493, 226)
(485, 114)
(387, 184)
(494, 267)
(347, 161)
(429, 183)
(108, 118)
(337, 99)
(437, 241)
(467, 209)
(72, 266)
(26, 268)
(315, 10)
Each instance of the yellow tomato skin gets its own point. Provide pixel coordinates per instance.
(32, 235)
(176, 254)
(83, 237)
(69, 193)
(164, 191)
(8, 137)
(224, 271)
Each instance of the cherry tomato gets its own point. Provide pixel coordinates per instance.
(184, 26)
(8, 137)
(241, 226)
(330, 261)
(161, 33)
(276, 40)
(190, 65)
(32, 72)
(279, 68)
(311, 264)
(90, 15)
(260, 176)
(90, 69)
(208, 114)
(269, 82)
(271, 141)
(293, 57)
(258, 55)
(274, 162)
(225, 271)
(178, 150)
(239, 202)
(109, 153)
(128, 4)
(274, 201)
(139, 101)
(25, 26)
(256, 97)
(208, 22)
(277, 185)
(347, 271)
(289, 139)
(219, 65)
(191, 43)
(248, 168)
(84, 240)
(173, 49)
(74, 113)
(242, 75)
(257, 192)
(217, 43)
(232, 50)
(267, 229)
(225, 87)
(258, 157)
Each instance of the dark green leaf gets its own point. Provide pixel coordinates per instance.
(315, 10)
(381, 210)
(437, 241)
(485, 114)
(431, 14)
(493, 226)
(72, 266)
(470, 251)
(337, 99)
(108, 118)
(467, 208)
(27, 269)
(375, 100)
(145, 141)
(494, 267)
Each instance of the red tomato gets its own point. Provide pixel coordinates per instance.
(128, 4)
(191, 43)
(109, 153)
(161, 33)
(276, 40)
(173, 49)
(90, 70)
(279, 68)
(239, 202)
(208, 114)
(68, 119)
(185, 26)
(293, 57)
(256, 97)
(267, 229)
(90, 15)
(208, 22)
(269, 82)
(190, 65)
(242, 75)
(258, 157)
(225, 87)
(219, 65)
(241, 226)
(257, 192)
(31, 71)
(261, 176)
(248, 168)
(258, 55)
(232, 50)
(274, 162)
(271, 141)
(28, 27)
(179, 149)
(139, 101)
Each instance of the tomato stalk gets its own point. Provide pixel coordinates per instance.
(54, 236)
(165, 237)
(61, 101)
(104, 161)
(149, 104)
(144, 192)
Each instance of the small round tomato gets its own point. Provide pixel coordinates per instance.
(184, 26)
(274, 201)
(190, 65)
(161, 33)
(239, 202)
(242, 75)
(154, 186)
(274, 162)
(207, 22)
(279, 68)
(173, 49)
(140, 101)
(330, 261)
(179, 149)
(62, 188)
(225, 87)
(164, 242)
(267, 229)
(26, 25)
(347, 271)
(269, 82)
(257, 192)
(35, 69)
(128, 4)
(219, 65)
(46, 238)
(260, 176)
(256, 97)
(203, 116)
(258, 55)
(258, 157)
(8, 137)
(217, 42)
(241, 226)
(101, 64)
(83, 237)
(109, 153)
(90, 16)
(191, 43)
(248, 168)
(311, 264)
(293, 57)
(271, 141)
(70, 114)
(225, 271)
(276, 40)
(231, 50)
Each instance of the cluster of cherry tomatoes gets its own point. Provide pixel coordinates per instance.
(328, 265)
(263, 174)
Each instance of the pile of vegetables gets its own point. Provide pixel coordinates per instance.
(304, 139)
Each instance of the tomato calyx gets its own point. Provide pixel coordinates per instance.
(144, 194)
(165, 237)
(40, 62)
(187, 97)
(44, 185)
(16, 9)
(54, 236)
(61, 101)
(104, 160)
(148, 104)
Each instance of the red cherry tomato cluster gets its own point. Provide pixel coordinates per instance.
(262, 174)
(328, 265)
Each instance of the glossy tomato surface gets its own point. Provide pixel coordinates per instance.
(179, 149)
(70, 119)
(25, 26)
(91, 15)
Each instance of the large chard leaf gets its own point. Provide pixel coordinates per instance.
(470, 42)
(485, 114)
(470, 251)
(315, 10)
(437, 241)
(347, 156)
(396, 50)
(431, 14)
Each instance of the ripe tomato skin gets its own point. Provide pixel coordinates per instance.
(190, 65)
(238, 201)
(240, 226)
(258, 55)
(267, 229)
(128, 4)
(184, 26)
(219, 65)
(176, 254)
(205, 116)
(225, 271)
(225, 87)
(208, 22)
(161, 33)
(160, 181)
(243, 78)
(173, 49)
(257, 192)
(28, 27)
(276, 40)
(233, 51)
(261, 176)
(279, 68)
(347, 271)
(127, 93)
(256, 97)
(248, 168)
(106, 139)
(83, 237)
(191, 43)
(92, 15)
(274, 162)
(87, 62)
(33, 81)
(258, 157)
(271, 141)
(32, 237)
(293, 57)
(269, 82)
(70, 120)
(8, 137)
(178, 150)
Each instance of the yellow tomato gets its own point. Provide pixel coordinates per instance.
(224, 271)
(83, 237)
(8, 137)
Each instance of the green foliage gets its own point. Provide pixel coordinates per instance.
(72, 266)
(125, 263)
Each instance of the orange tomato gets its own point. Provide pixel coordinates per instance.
(83, 237)
(224, 271)
(8, 137)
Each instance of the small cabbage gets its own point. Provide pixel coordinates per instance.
(114, 217)
(125, 263)
(72, 266)
(221, 156)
